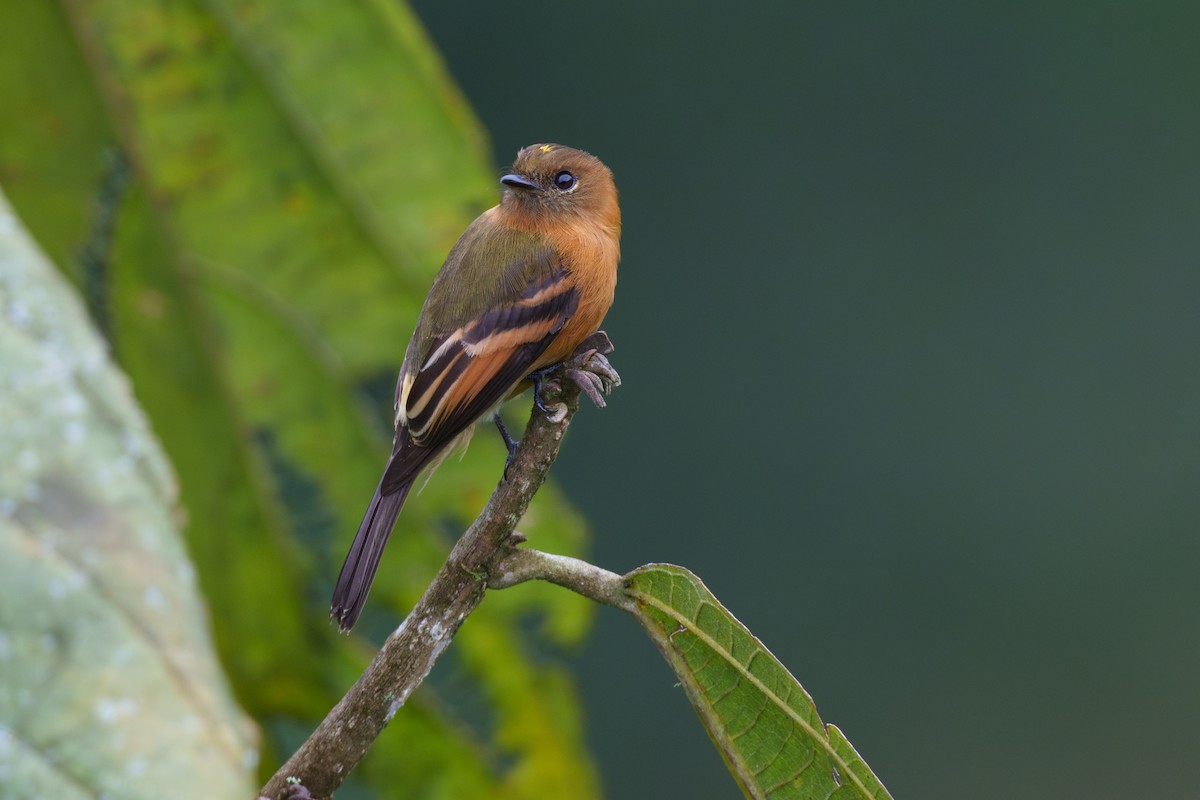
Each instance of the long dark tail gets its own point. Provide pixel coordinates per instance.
(362, 562)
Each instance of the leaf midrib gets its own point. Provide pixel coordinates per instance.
(692, 626)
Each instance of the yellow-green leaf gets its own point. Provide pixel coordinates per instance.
(298, 171)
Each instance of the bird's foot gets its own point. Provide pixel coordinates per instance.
(595, 377)
(543, 385)
(590, 369)
(509, 442)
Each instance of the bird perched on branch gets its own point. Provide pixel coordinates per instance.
(526, 284)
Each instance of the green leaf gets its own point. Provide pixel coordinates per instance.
(299, 171)
(111, 686)
(759, 717)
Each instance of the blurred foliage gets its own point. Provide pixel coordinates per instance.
(111, 686)
(760, 718)
(297, 172)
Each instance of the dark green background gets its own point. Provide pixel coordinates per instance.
(908, 318)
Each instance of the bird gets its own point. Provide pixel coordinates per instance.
(527, 282)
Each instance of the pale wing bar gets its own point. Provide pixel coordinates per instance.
(473, 368)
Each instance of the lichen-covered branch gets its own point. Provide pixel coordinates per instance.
(346, 734)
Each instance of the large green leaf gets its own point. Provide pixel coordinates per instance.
(111, 686)
(299, 171)
(760, 718)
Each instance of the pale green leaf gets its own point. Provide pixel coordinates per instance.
(111, 687)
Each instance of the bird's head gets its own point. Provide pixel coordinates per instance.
(549, 181)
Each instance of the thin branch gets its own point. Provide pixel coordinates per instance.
(346, 734)
(580, 577)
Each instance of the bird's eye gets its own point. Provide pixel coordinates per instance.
(565, 181)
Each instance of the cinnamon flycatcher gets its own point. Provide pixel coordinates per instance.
(526, 283)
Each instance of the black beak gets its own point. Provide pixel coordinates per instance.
(519, 182)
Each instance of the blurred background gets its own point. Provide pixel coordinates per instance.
(907, 318)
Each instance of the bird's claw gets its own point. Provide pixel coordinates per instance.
(594, 376)
(541, 386)
(599, 365)
(588, 368)
(590, 384)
